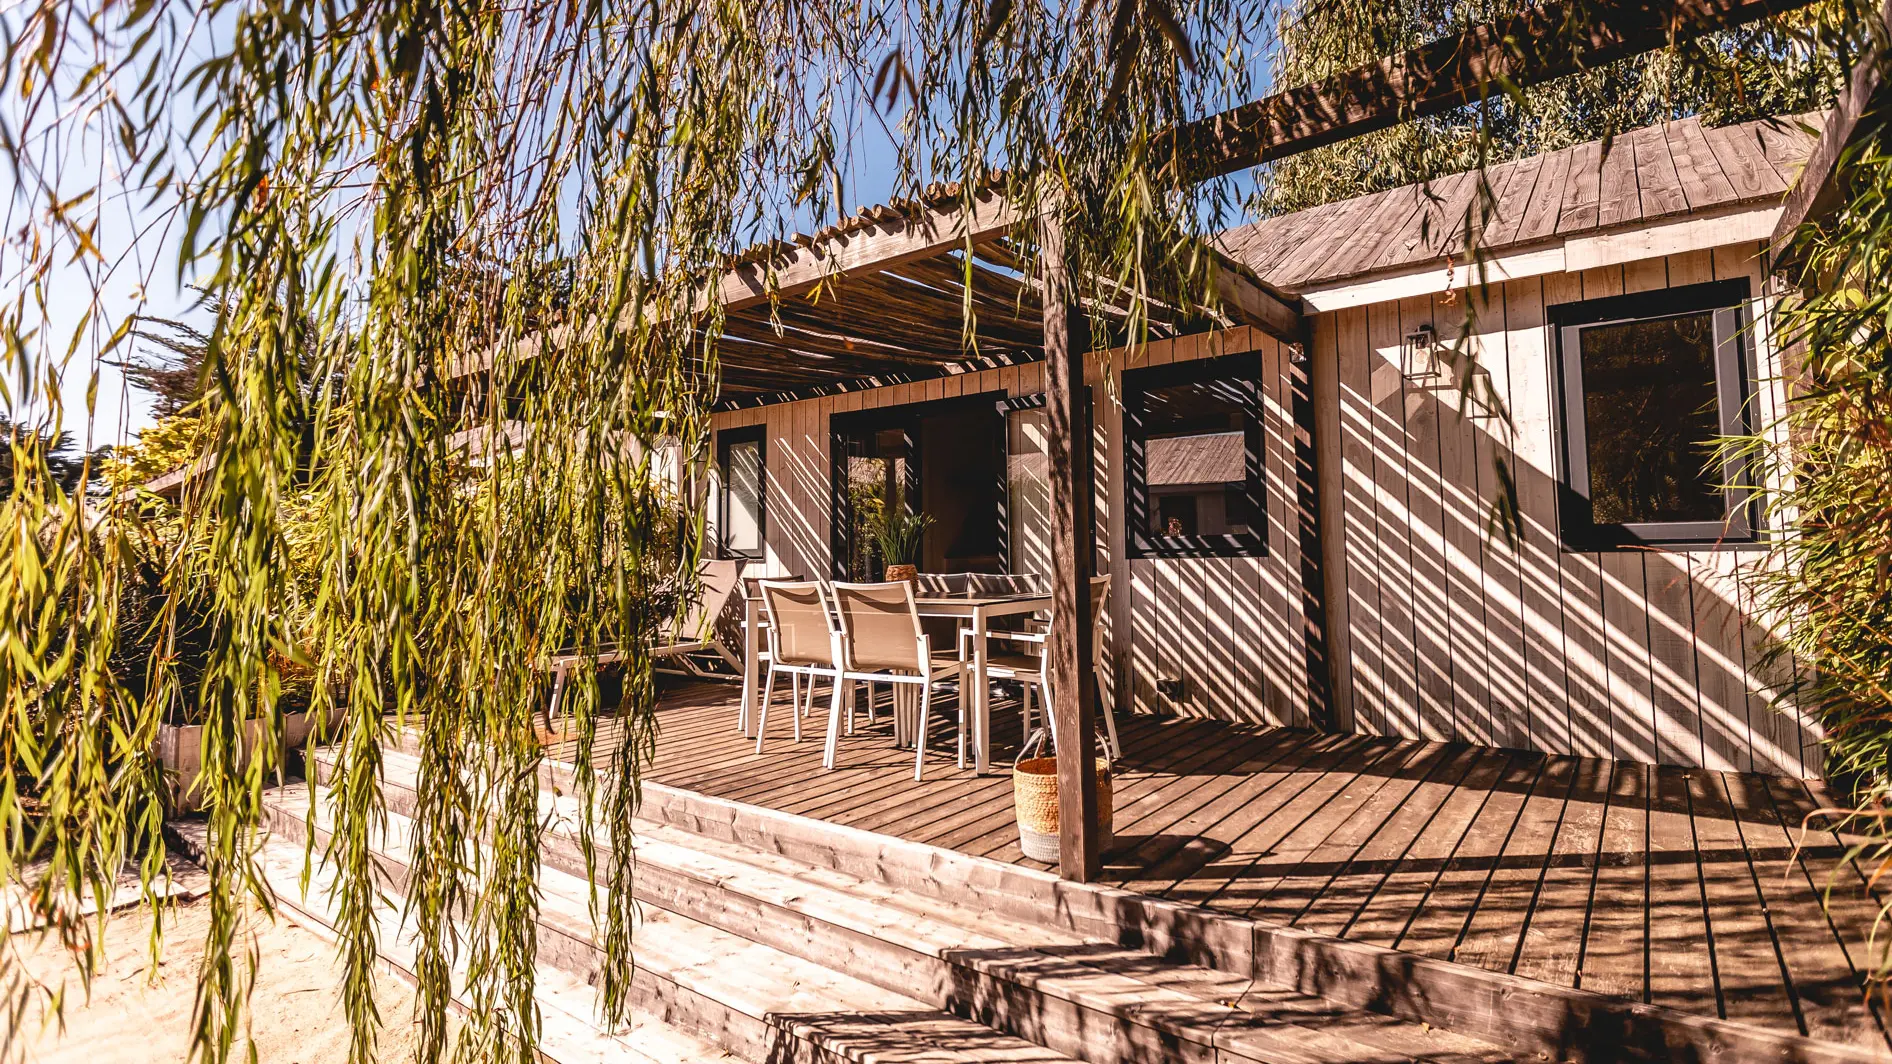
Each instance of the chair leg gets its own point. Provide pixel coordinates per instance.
(832, 751)
(794, 691)
(965, 718)
(762, 714)
(919, 739)
(1110, 728)
(795, 713)
(849, 698)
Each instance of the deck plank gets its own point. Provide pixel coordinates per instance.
(1377, 820)
(1439, 924)
(1796, 871)
(1316, 806)
(1553, 937)
(1615, 955)
(1750, 970)
(1496, 932)
(1679, 976)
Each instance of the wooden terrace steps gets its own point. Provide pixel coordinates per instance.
(949, 960)
(1078, 967)
(1657, 885)
(728, 994)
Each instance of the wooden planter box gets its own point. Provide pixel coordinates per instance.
(180, 751)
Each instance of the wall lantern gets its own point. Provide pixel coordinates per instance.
(1425, 365)
(1419, 357)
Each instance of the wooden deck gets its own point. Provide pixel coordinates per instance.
(1672, 886)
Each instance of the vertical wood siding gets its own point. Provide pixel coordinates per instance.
(1229, 628)
(1441, 629)
(1445, 630)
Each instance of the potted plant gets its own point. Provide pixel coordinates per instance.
(898, 538)
(1035, 797)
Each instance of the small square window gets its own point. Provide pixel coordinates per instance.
(1193, 478)
(743, 495)
(1650, 382)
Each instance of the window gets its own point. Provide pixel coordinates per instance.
(1649, 382)
(741, 505)
(1193, 481)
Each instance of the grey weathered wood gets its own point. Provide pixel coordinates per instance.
(1745, 165)
(1546, 204)
(1618, 200)
(1658, 183)
(1703, 183)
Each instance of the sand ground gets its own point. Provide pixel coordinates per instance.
(295, 1011)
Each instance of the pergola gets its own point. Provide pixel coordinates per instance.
(881, 298)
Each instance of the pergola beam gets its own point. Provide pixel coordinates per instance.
(1537, 45)
(1822, 184)
(885, 244)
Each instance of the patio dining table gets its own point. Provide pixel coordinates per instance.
(977, 610)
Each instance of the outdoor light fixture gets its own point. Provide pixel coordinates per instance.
(1419, 357)
(1424, 366)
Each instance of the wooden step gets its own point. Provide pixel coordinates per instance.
(1096, 1001)
(758, 1002)
(1532, 1019)
(566, 1003)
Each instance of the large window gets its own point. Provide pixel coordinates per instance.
(1193, 479)
(739, 459)
(1650, 381)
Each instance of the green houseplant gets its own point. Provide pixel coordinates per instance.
(897, 536)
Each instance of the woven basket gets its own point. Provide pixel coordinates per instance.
(1035, 797)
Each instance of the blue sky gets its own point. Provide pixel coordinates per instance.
(139, 273)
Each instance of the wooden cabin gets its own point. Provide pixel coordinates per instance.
(1305, 531)
(1391, 784)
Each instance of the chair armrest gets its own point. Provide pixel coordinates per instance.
(1019, 637)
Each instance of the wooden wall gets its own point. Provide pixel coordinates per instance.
(1444, 630)
(1440, 628)
(1229, 628)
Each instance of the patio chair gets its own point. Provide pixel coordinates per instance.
(803, 641)
(882, 642)
(1028, 669)
(703, 631)
(682, 642)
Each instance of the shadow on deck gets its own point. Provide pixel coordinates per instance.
(1671, 886)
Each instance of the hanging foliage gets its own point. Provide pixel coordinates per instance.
(1824, 470)
(464, 266)
(1784, 65)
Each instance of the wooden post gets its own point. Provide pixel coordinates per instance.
(1073, 545)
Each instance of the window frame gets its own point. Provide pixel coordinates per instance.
(1245, 368)
(1735, 385)
(727, 440)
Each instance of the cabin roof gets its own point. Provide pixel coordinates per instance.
(1650, 174)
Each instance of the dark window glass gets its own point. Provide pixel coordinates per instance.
(1651, 383)
(1194, 431)
(1650, 410)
